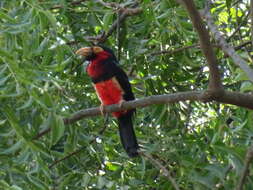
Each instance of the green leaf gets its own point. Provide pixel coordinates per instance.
(86, 179)
(27, 104)
(107, 19)
(4, 53)
(38, 184)
(50, 17)
(6, 17)
(13, 148)
(15, 187)
(246, 86)
(4, 184)
(101, 182)
(13, 121)
(228, 3)
(57, 128)
(3, 80)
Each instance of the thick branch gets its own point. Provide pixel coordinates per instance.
(228, 49)
(139, 103)
(174, 50)
(205, 44)
(236, 98)
(251, 17)
(158, 99)
(233, 98)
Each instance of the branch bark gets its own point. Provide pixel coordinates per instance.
(215, 84)
(169, 52)
(233, 98)
(251, 17)
(228, 49)
(245, 172)
(161, 167)
(72, 3)
(125, 12)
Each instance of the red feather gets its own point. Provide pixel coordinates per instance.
(110, 92)
(95, 68)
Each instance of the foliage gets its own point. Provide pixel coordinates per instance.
(203, 145)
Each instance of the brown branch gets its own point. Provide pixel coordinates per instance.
(125, 12)
(174, 50)
(158, 165)
(251, 17)
(138, 103)
(144, 102)
(72, 3)
(80, 149)
(245, 172)
(228, 49)
(239, 26)
(109, 5)
(233, 98)
(240, 46)
(169, 52)
(236, 98)
(215, 84)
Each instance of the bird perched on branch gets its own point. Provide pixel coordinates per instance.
(112, 87)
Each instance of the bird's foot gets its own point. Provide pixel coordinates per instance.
(102, 109)
(121, 103)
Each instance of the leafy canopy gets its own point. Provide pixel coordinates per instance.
(40, 85)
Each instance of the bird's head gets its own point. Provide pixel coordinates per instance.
(96, 52)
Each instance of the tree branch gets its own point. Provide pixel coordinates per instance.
(72, 3)
(80, 149)
(245, 172)
(174, 50)
(125, 12)
(239, 26)
(228, 49)
(251, 18)
(233, 98)
(215, 84)
(165, 171)
(169, 52)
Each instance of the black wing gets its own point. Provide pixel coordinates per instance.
(121, 76)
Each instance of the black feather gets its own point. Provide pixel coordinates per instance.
(126, 130)
(127, 134)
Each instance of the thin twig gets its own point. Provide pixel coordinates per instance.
(72, 3)
(245, 172)
(125, 12)
(173, 51)
(83, 147)
(228, 49)
(165, 172)
(239, 26)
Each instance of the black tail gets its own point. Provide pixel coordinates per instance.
(127, 135)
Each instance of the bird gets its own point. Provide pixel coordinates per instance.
(112, 86)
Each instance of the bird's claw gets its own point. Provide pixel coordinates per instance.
(121, 103)
(102, 109)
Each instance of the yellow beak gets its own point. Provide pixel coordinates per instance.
(84, 51)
